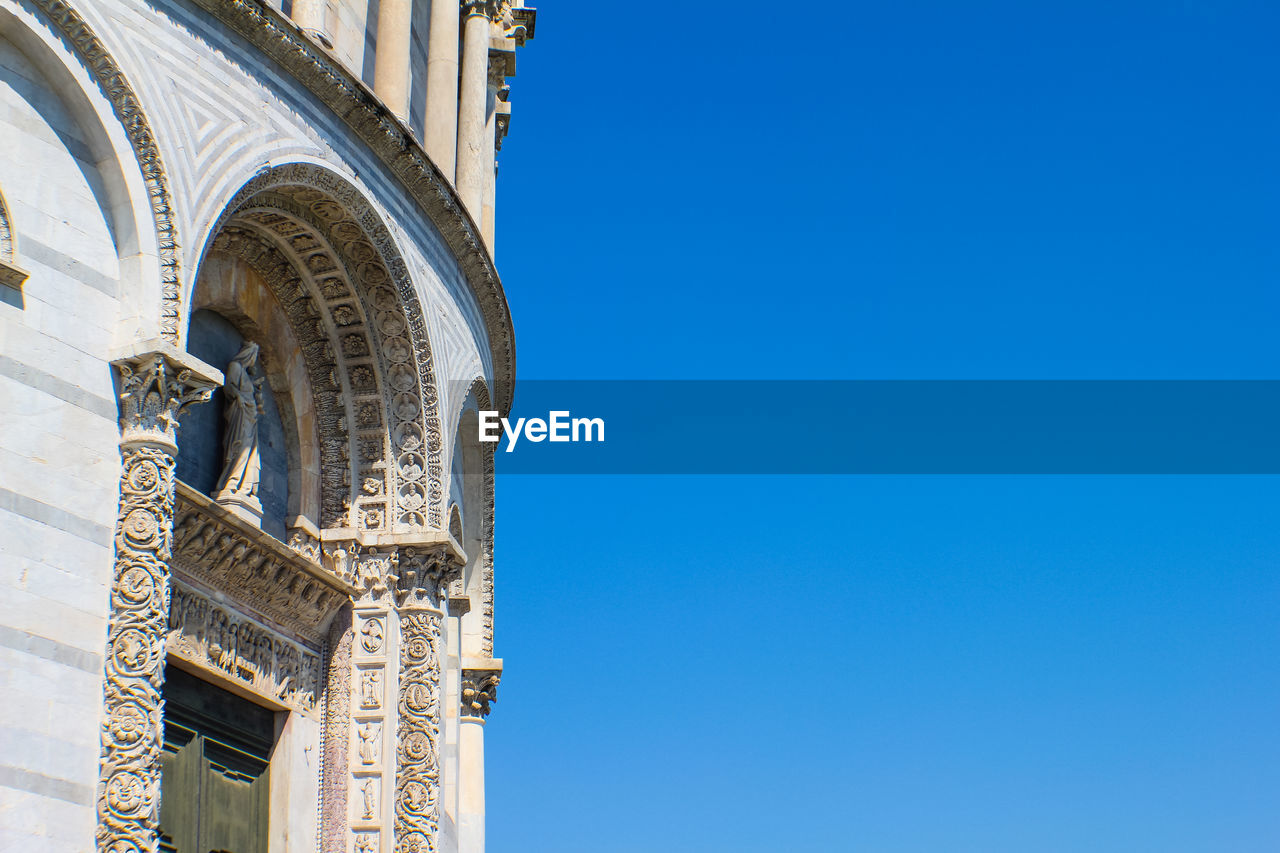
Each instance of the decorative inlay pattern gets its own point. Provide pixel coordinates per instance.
(153, 395)
(86, 44)
(201, 631)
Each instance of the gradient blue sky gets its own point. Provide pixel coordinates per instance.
(907, 190)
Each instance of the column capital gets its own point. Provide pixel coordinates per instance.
(395, 569)
(158, 382)
(488, 8)
(480, 678)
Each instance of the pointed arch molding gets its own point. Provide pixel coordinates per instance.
(86, 45)
(335, 269)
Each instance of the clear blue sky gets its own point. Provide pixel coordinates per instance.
(904, 190)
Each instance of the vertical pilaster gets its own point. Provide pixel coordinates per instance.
(391, 62)
(472, 105)
(440, 136)
(371, 742)
(156, 384)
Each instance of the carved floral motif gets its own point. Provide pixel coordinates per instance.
(154, 393)
(417, 767)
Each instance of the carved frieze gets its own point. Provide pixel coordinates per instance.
(210, 635)
(221, 551)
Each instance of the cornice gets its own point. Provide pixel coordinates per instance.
(394, 144)
(217, 548)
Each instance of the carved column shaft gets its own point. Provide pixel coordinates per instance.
(155, 387)
(424, 576)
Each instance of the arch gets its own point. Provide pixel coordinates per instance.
(335, 269)
(93, 55)
(477, 507)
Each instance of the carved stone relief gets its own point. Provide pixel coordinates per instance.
(481, 393)
(206, 633)
(479, 689)
(349, 244)
(417, 766)
(153, 392)
(10, 273)
(221, 551)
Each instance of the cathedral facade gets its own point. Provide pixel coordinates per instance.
(249, 313)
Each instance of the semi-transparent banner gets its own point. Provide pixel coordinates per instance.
(885, 427)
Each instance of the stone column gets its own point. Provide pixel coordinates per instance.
(472, 107)
(423, 577)
(157, 382)
(479, 689)
(391, 74)
(310, 16)
(496, 82)
(441, 133)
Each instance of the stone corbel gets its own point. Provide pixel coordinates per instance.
(503, 124)
(523, 19)
(502, 64)
(480, 677)
(12, 275)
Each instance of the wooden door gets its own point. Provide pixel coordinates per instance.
(215, 787)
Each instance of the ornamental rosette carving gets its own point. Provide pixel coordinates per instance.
(418, 734)
(153, 392)
(129, 777)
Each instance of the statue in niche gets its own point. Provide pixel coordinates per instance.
(242, 462)
(369, 796)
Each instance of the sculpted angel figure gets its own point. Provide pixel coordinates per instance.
(242, 463)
